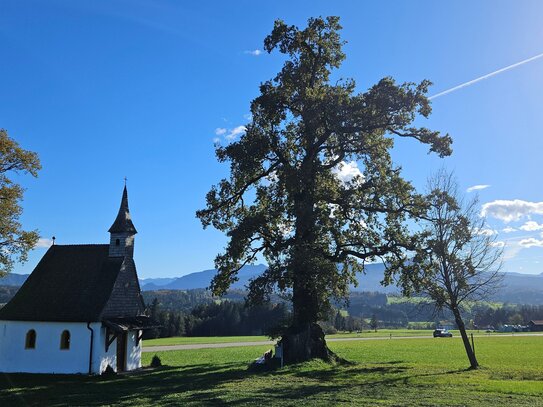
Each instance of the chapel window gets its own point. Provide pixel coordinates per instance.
(65, 340)
(30, 342)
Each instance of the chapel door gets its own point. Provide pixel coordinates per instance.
(121, 352)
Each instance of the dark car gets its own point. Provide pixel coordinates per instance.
(442, 333)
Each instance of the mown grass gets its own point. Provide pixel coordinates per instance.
(381, 333)
(411, 372)
(187, 340)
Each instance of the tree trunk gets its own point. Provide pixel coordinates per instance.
(462, 328)
(305, 342)
(304, 339)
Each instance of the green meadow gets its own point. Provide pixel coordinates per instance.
(411, 372)
(381, 333)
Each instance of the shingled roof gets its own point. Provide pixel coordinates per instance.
(123, 222)
(71, 283)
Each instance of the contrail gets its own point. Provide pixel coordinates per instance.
(488, 75)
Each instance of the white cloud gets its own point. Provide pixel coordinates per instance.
(508, 211)
(477, 188)
(43, 242)
(511, 250)
(236, 131)
(509, 229)
(254, 53)
(346, 172)
(531, 242)
(498, 243)
(228, 134)
(485, 232)
(531, 226)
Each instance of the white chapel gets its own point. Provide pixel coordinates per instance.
(80, 310)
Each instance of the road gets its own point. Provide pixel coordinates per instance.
(259, 343)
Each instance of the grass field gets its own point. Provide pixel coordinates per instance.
(413, 372)
(381, 333)
(184, 340)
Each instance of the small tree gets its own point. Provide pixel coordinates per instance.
(374, 323)
(461, 259)
(14, 241)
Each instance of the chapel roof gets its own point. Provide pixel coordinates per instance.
(123, 222)
(70, 283)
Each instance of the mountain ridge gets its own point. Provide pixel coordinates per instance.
(517, 287)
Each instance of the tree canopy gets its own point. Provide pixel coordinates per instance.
(14, 241)
(286, 198)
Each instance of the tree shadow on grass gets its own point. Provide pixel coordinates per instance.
(152, 388)
(199, 384)
(349, 373)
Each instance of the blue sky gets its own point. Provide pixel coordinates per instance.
(108, 89)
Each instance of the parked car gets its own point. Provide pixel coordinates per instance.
(442, 333)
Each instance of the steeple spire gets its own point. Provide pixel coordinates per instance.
(121, 241)
(123, 222)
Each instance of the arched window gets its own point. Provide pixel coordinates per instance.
(30, 342)
(65, 340)
(117, 242)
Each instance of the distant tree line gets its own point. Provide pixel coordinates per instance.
(224, 318)
(508, 314)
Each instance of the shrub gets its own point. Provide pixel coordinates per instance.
(109, 371)
(156, 362)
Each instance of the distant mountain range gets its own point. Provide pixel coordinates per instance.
(371, 281)
(517, 288)
(13, 279)
(200, 279)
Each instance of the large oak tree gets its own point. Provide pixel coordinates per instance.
(285, 199)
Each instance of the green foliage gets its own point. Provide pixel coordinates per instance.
(284, 200)
(14, 241)
(178, 300)
(234, 318)
(210, 318)
(374, 322)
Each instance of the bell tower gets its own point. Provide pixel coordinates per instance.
(122, 232)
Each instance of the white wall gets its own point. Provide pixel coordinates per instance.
(47, 357)
(101, 358)
(133, 351)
